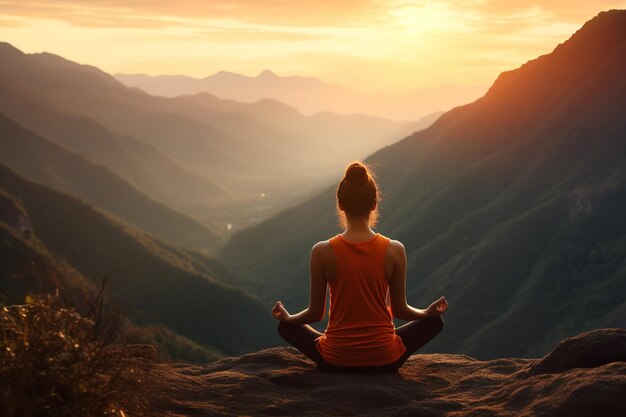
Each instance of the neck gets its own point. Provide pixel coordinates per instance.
(360, 225)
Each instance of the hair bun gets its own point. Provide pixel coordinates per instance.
(356, 174)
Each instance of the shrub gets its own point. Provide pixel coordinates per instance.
(55, 361)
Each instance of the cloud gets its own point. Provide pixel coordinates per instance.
(159, 13)
(80, 14)
(12, 22)
(402, 44)
(256, 35)
(345, 13)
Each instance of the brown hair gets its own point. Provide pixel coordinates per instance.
(358, 194)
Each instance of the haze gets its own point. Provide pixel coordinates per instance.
(394, 46)
(149, 221)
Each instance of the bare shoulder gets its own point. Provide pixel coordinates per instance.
(322, 249)
(395, 259)
(322, 256)
(396, 249)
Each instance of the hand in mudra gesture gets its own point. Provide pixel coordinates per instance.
(438, 307)
(279, 312)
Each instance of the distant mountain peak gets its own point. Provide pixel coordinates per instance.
(609, 20)
(224, 75)
(7, 48)
(601, 39)
(605, 30)
(7, 45)
(267, 74)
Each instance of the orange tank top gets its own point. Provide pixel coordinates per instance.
(360, 329)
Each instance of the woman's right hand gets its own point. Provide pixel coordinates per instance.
(279, 312)
(438, 307)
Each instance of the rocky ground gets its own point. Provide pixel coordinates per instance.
(583, 376)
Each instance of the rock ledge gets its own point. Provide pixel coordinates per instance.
(583, 376)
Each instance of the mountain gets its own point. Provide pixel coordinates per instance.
(88, 92)
(28, 267)
(512, 206)
(237, 168)
(139, 163)
(45, 162)
(323, 127)
(157, 283)
(25, 263)
(238, 164)
(308, 94)
(325, 132)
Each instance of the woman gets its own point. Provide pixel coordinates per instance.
(365, 272)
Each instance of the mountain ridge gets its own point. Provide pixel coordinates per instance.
(240, 154)
(157, 283)
(49, 163)
(501, 198)
(307, 93)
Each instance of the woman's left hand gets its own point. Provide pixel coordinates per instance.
(279, 312)
(437, 308)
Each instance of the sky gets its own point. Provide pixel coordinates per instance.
(394, 45)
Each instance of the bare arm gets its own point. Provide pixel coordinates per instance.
(317, 299)
(397, 289)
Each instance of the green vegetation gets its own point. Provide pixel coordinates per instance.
(513, 206)
(156, 283)
(171, 346)
(51, 164)
(209, 159)
(30, 97)
(26, 265)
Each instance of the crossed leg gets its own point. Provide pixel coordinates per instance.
(414, 335)
(302, 337)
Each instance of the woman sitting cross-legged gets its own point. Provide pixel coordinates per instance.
(366, 272)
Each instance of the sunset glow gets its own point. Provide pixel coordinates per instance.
(369, 45)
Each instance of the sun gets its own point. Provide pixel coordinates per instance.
(426, 18)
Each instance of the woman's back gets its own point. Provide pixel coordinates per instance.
(360, 329)
(360, 267)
